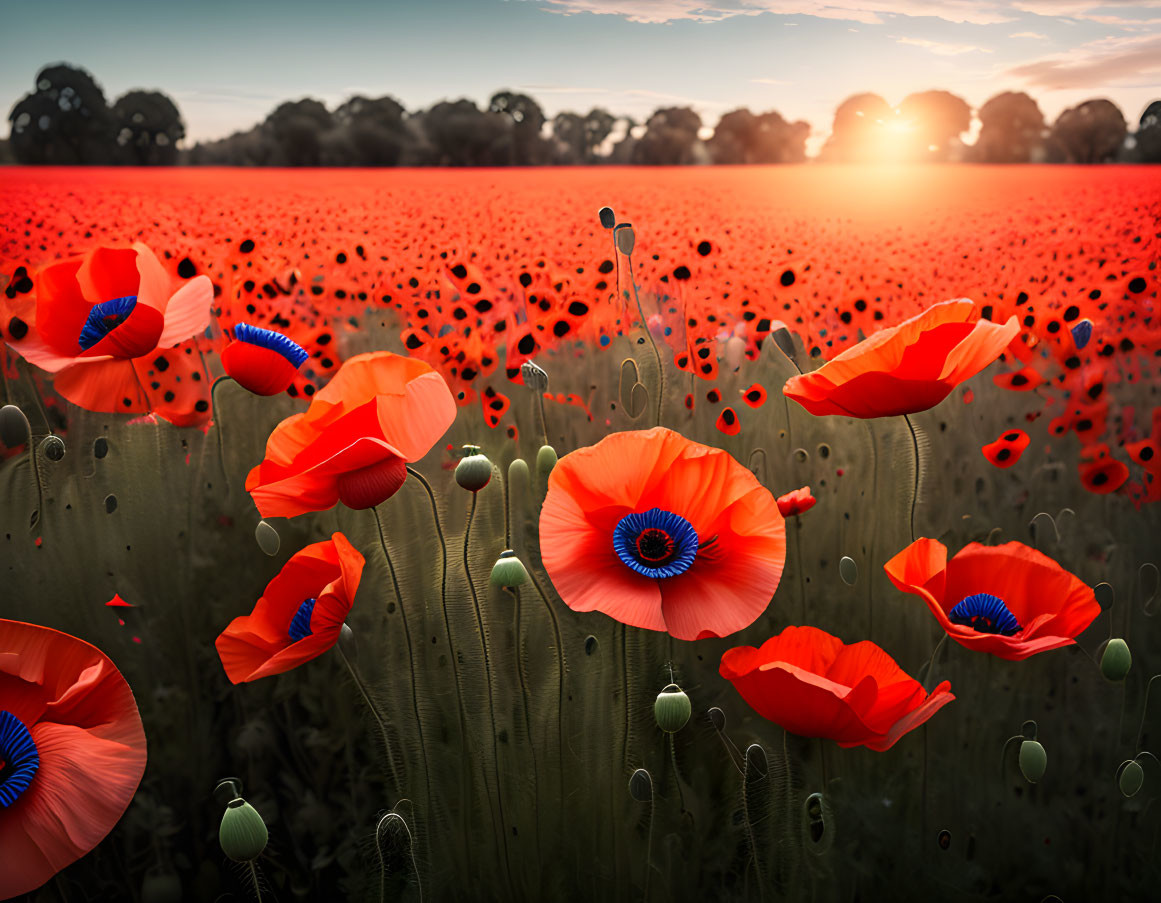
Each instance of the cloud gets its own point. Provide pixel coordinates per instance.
(939, 48)
(869, 12)
(1124, 60)
(769, 81)
(1029, 34)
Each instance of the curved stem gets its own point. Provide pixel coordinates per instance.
(254, 879)
(374, 711)
(487, 672)
(915, 488)
(652, 343)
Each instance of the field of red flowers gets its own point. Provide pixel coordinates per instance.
(484, 269)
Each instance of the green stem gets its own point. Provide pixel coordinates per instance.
(374, 711)
(652, 343)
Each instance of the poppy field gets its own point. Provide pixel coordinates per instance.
(746, 534)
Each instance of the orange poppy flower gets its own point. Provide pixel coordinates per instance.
(660, 532)
(353, 444)
(72, 752)
(1009, 600)
(814, 685)
(96, 316)
(906, 368)
(299, 616)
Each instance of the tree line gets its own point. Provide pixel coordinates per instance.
(67, 120)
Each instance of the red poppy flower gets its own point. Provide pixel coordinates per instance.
(796, 502)
(97, 315)
(72, 752)
(1009, 600)
(663, 533)
(1006, 450)
(261, 360)
(906, 368)
(814, 685)
(354, 442)
(299, 616)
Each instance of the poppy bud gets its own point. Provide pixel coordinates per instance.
(534, 377)
(372, 485)
(1033, 760)
(641, 786)
(53, 448)
(545, 460)
(474, 470)
(1132, 777)
(509, 570)
(848, 570)
(518, 472)
(625, 238)
(268, 538)
(607, 217)
(14, 428)
(672, 709)
(227, 789)
(1116, 660)
(243, 834)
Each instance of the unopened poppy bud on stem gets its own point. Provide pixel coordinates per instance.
(535, 378)
(625, 238)
(474, 470)
(672, 709)
(509, 570)
(1116, 660)
(607, 217)
(1033, 760)
(243, 834)
(545, 460)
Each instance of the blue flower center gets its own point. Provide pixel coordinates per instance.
(19, 759)
(984, 613)
(104, 318)
(299, 628)
(655, 543)
(275, 341)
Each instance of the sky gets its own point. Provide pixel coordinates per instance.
(227, 64)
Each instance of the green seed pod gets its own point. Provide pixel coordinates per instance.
(474, 470)
(625, 238)
(545, 460)
(1116, 660)
(641, 786)
(509, 570)
(518, 474)
(1132, 777)
(243, 834)
(1033, 760)
(672, 709)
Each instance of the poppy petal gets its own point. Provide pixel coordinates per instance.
(110, 386)
(187, 312)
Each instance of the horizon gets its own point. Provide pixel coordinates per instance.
(628, 56)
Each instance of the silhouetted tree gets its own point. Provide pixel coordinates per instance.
(934, 122)
(599, 124)
(742, 137)
(578, 137)
(66, 120)
(1147, 139)
(297, 128)
(527, 147)
(1092, 132)
(670, 138)
(1011, 130)
(148, 127)
(461, 134)
(372, 132)
(858, 122)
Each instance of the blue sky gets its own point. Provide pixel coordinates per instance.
(227, 64)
